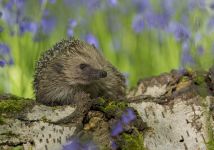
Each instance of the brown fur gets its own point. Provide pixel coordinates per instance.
(59, 78)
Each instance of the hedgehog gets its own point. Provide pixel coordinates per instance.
(72, 68)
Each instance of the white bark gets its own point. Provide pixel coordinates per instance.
(178, 125)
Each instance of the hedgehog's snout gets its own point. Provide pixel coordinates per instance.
(103, 74)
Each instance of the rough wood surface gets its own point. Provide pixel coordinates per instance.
(178, 108)
(181, 119)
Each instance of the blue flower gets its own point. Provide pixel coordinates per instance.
(52, 1)
(4, 49)
(128, 116)
(181, 33)
(2, 63)
(113, 145)
(117, 129)
(142, 5)
(155, 20)
(11, 61)
(76, 144)
(72, 145)
(89, 146)
(168, 7)
(27, 26)
(48, 24)
(70, 32)
(192, 4)
(138, 23)
(92, 4)
(200, 50)
(113, 2)
(91, 39)
(210, 24)
(72, 23)
(186, 58)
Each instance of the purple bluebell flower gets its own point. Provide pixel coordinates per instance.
(142, 5)
(72, 23)
(76, 144)
(9, 5)
(113, 145)
(186, 58)
(27, 26)
(113, 3)
(128, 116)
(168, 7)
(89, 146)
(138, 23)
(11, 61)
(93, 4)
(117, 129)
(4, 49)
(192, 4)
(70, 32)
(52, 1)
(2, 63)
(48, 24)
(91, 39)
(200, 50)
(72, 145)
(155, 20)
(210, 24)
(20, 4)
(9, 17)
(180, 32)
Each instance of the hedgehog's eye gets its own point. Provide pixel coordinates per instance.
(82, 66)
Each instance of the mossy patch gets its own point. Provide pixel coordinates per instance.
(133, 141)
(13, 106)
(111, 108)
(210, 132)
(2, 120)
(210, 145)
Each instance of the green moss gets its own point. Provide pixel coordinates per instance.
(18, 148)
(2, 120)
(12, 106)
(132, 141)
(199, 79)
(184, 79)
(209, 127)
(210, 145)
(110, 108)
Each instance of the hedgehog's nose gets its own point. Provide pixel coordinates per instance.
(103, 74)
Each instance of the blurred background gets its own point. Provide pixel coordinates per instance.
(141, 38)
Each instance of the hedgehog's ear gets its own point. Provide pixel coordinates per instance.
(57, 67)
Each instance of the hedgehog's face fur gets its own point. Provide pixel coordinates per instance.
(84, 69)
(83, 73)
